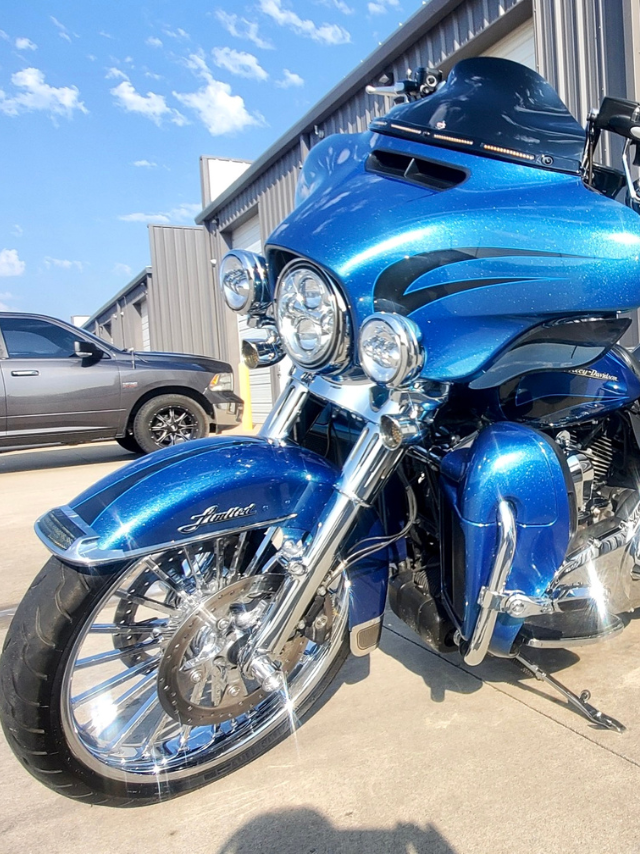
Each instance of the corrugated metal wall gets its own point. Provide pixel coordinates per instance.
(120, 324)
(182, 304)
(580, 50)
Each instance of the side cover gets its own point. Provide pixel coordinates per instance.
(518, 464)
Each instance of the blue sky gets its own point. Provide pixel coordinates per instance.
(105, 109)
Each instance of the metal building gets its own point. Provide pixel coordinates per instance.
(585, 48)
(170, 305)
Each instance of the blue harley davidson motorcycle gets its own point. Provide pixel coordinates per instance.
(460, 433)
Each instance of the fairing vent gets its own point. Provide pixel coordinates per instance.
(415, 170)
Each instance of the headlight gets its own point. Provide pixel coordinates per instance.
(243, 280)
(311, 317)
(390, 350)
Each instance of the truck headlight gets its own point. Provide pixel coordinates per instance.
(390, 349)
(311, 317)
(243, 280)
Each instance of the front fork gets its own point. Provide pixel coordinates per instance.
(365, 472)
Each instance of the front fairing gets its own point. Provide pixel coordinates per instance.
(508, 248)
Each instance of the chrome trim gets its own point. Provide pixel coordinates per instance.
(85, 551)
(365, 637)
(412, 354)
(255, 268)
(262, 347)
(286, 409)
(338, 353)
(568, 643)
(490, 595)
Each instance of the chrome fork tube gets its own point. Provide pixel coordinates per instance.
(366, 470)
(286, 409)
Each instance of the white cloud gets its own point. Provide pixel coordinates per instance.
(340, 5)
(105, 35)
(182, 213)
(219, 110)
(115, 74)
(153, 76)
(238, 62)
(152, 41)
(63, 32)
(17, 231)
(122, 270)
(10, 264)
(145, 164)
(381, 7)
(4, 296)
(35, 94)
(63, 264)
(289, 79)
(151, 106)
(324, 34)
(243, 29)
(4, 36)
(25, 44)
(176, 34)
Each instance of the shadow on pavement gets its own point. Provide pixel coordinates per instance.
(428, 665)
(63, 456)
(461, 679)
(305, 831)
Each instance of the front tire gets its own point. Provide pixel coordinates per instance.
(76, 632)
(168, 420)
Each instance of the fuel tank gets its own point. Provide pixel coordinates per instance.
(564, 398)
(477, 250)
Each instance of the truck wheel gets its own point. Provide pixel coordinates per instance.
(167, 420)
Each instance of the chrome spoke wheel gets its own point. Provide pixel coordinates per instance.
(153, 684)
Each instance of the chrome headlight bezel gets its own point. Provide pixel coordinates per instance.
(252, 289)
(335, 354)
(411, 354)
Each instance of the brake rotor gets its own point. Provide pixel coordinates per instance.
(198, 684)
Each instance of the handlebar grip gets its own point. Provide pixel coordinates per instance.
(620, 117)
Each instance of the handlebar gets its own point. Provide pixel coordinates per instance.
(423, 82)
(620, 117)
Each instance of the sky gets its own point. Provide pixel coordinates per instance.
(105, 109)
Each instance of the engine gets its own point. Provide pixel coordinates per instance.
(600, 576)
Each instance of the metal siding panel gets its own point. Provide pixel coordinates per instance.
(182, 311)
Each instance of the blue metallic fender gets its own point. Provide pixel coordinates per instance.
(518, 464)
(204, 489)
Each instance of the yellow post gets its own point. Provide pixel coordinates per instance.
(245, 394)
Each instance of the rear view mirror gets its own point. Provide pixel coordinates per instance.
(87, 350)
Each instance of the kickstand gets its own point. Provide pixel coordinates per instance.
(581, 703)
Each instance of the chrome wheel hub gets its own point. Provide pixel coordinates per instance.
(199, 680)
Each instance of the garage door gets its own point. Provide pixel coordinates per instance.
(519, 46)
(247, 236)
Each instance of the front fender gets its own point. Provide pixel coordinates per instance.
(205, 489)
(186, 493)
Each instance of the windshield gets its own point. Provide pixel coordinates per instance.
(496, 108)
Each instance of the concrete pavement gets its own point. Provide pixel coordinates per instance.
(408, 753)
